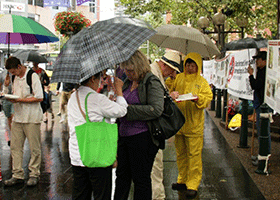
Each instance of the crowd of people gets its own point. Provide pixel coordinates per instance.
(139, 98)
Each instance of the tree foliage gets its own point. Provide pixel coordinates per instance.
(261, 14)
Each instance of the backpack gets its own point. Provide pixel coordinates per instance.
(45, 105)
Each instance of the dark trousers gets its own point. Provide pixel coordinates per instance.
(88, 181)
(135, 160)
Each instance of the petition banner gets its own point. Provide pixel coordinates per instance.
(238, 77)
(272, 84)
(208, 70)
(220, 72)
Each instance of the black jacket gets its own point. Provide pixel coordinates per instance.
(258, 85)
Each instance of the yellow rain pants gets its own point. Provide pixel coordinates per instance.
(189, 150)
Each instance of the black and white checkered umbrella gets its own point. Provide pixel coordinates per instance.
(98, 47)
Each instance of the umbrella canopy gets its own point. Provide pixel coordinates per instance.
(16, 29)
(184, 39)
(98, 47)
(126, 20)
(30, 55)
(246, 43)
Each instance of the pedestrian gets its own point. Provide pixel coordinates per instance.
(165, 67)
(258, 85)
(189, 140)
(26, 122)
(50, 109)
(45, 81)
(136, 146)
(44, 78)
(67, 90)
(88, 181)
(170, 80)
(7, 107)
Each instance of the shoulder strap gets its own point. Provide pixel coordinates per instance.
(29, 79)
(165, 90)
(79, 104)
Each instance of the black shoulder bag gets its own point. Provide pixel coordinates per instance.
(170, 121)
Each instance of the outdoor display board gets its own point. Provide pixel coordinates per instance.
(220, 72)
(208, 70)
(215, 72)
(272, 83)
(238, 77)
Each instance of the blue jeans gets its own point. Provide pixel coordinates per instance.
(258, 125)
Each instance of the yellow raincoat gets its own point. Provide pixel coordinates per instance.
(169, 82)
(197, 85)
(189, 140)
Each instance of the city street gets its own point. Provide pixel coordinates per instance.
(224, 177)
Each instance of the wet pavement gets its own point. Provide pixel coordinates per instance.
(224, 177)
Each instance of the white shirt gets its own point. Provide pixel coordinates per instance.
(27, 112)
(99, 106)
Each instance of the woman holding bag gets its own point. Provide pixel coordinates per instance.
(136, 147)
(92, 180)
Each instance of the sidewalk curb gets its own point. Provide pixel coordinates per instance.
(268, 185)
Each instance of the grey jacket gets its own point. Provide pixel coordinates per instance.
(151, 101)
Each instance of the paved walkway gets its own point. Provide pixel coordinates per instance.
(223, 178)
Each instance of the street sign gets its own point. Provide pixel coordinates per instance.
(18, 7)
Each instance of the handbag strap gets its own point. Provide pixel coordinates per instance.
(166, 92)
(79, 104)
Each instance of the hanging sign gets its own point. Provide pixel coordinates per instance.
(272, 83)
(238, 78)
(208, 70)
(12, 6)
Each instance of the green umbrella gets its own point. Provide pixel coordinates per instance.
(15, 29)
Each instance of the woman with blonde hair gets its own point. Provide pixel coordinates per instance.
(136, 146)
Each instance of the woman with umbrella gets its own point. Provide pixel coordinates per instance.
(136, 147)
(88, 180)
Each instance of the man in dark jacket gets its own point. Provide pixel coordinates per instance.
(258, 85)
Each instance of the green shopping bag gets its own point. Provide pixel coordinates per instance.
(97, 141)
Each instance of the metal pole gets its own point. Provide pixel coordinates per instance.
(219, 104)
(278, 19)
(264, 153)
(213, 102)
(9, 36)
(225, 105)
(219, 35)
(243, 140)
(223, 36)
(242, 32)
(73, 5)
(243, 143)
(9, 40)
